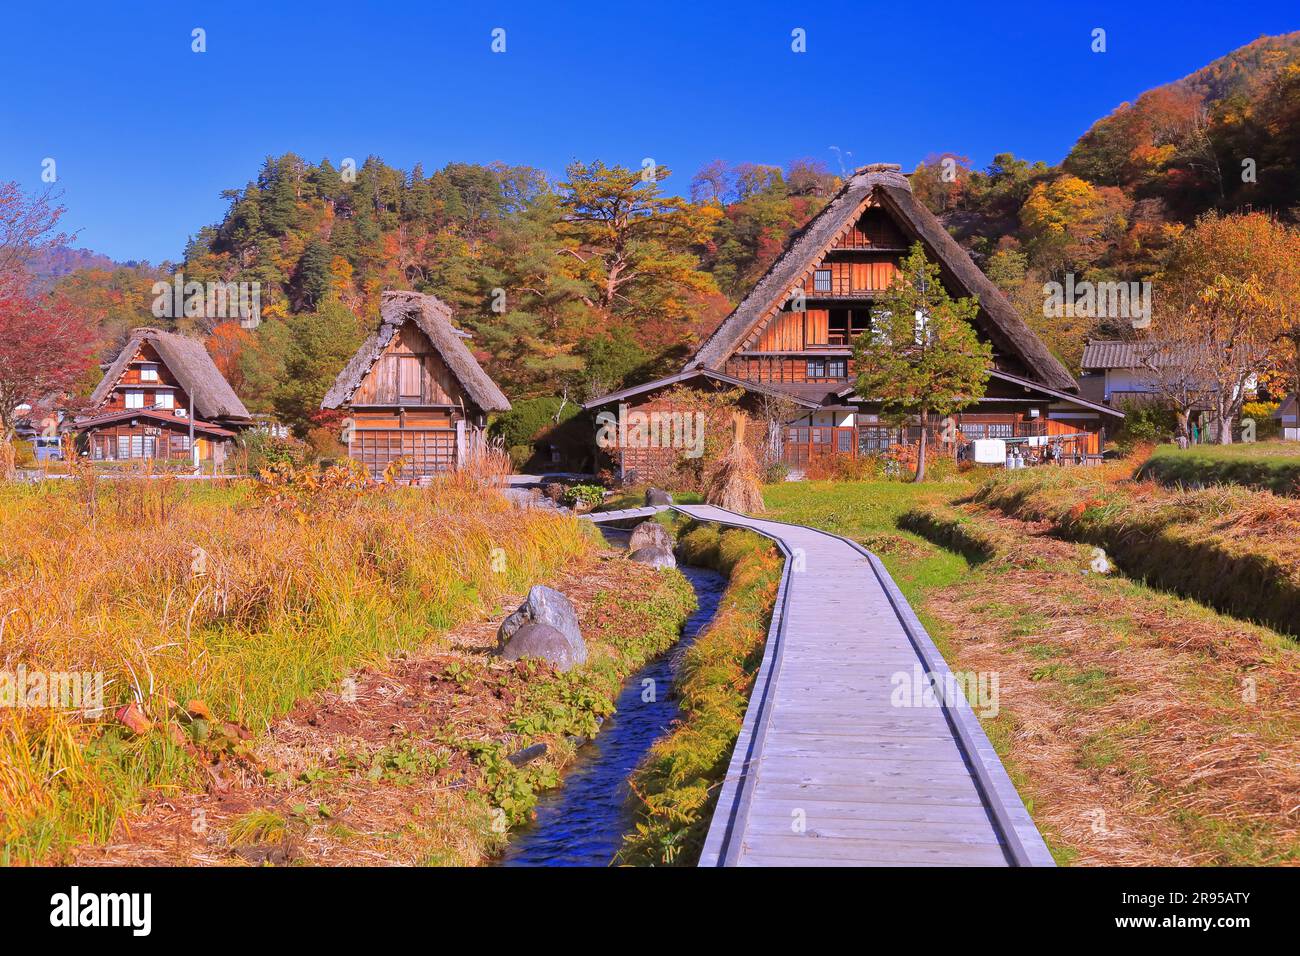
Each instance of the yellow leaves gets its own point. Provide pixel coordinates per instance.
(278, 309)
(1053, 206)
(1153, 157)
(341, 276)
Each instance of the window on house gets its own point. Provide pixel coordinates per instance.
(873, 439)
(409, 377)
(135, 398)
(164, 399)
(1000, 430)
(148, 373)
(846, 323)
(822, 280)
(123, 446)
(826, 368)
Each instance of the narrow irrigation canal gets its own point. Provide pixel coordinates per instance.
(582, 822)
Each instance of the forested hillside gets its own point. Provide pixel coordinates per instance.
(1226, 138)
(611, 275)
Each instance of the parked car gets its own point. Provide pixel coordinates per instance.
(47, 448)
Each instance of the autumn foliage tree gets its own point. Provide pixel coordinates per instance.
(226, 345)
(1228, 298)
(44, 344)
(633, 245)
(44, 349)
(922, 358)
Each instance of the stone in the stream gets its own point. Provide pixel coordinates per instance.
(650, 534)
(657, 496)
(653, 556)
(545, 606)
(547, 643)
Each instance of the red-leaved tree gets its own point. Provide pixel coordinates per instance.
(45, 345)
(45, 348)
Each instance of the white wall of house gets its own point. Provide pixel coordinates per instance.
(1126, 380)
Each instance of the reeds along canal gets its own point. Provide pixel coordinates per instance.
(582, 822)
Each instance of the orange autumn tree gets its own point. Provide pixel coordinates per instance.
(1228, 297)
(226, 344)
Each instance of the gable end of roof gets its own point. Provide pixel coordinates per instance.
(189, 361)
(432, 317)
(893, 192)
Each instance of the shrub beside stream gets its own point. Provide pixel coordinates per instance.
(675, 790)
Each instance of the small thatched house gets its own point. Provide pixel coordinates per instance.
(793, 334)
(162, 389)
(414, 391)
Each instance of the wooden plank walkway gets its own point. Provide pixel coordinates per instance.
(837, 764)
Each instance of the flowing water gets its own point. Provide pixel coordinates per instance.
(582, 822)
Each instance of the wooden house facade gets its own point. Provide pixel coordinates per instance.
(793, 334)
(162, 389)
(414, 391)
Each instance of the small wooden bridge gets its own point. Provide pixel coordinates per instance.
(844, 759)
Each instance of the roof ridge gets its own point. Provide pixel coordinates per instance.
(893, 193)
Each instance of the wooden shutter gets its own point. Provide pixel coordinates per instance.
(408, 377)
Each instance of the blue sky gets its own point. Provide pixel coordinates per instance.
(146, 133)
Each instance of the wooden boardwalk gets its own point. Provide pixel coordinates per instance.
(841, 760)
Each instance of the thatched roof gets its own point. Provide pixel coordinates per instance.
(433, 318)
(891, 190)
(189, 361)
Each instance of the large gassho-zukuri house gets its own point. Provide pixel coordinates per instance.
(160, 393)
(791, 339)
(414, 391)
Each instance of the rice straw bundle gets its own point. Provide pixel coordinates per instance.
(734, 482)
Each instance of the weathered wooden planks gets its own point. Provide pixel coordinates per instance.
(831, 768)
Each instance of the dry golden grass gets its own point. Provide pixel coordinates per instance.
(733, 483)
(385, 775)
(1142, 728)
(1227, 546)
(245, 598)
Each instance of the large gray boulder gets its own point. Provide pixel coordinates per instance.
(545, 643)
(650, 534)
(655, 557)
(657, 496)
(545, 606)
